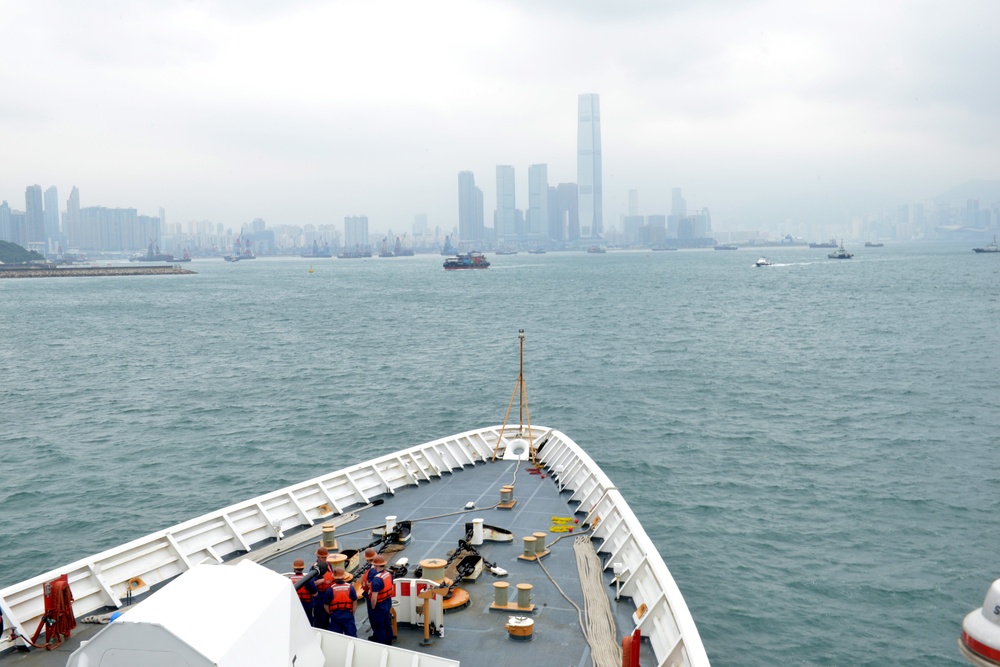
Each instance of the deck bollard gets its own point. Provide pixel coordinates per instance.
(500, 593)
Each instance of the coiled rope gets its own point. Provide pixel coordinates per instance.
(596, 620)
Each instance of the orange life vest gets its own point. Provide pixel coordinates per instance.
(342, 597)
(324, 581)
(304, 594)
(389, 590)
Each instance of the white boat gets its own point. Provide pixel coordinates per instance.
(525, 502)
(763, 261)
(990, 247)
(840, 253)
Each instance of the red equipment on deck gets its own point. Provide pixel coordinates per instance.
(58, 619)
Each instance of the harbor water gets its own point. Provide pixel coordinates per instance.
(813, 445)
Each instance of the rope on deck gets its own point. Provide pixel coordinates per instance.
(597, 622)
(600, 621)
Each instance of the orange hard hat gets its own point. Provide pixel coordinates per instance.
(370, 553)
(322, 552)
(378, 560)
(299, 564)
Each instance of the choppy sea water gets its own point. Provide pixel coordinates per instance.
(813, 446)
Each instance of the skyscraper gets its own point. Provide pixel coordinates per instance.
(74, 232)
(6, 230)
(588, 166)
(538, 201)
(356, 233)
(51, 213)
(678, 205)
(35, 212)
(470, 209)
(505, 217)
(565, 219)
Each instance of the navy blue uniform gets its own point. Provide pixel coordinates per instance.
(340, 600)
(380, 604)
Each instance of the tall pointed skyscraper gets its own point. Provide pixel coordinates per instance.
(588, 166)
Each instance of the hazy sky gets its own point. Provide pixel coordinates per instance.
(304, 112)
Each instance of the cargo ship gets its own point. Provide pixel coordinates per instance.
(470, 260)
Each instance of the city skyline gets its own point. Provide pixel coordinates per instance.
(229, 112)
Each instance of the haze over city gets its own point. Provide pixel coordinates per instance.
(307, 112)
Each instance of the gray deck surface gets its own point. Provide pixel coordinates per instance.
(473, 635)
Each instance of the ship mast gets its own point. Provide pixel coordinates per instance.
(523, 410)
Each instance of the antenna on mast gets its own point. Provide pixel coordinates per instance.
(523, 410)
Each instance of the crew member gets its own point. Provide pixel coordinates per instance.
(382, 590)
(343, 600)
(321, 619)
(307, 591)
(366, 586)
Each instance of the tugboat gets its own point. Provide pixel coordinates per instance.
(840, 253)
(470, 260)
(992, 247)
(763, 261)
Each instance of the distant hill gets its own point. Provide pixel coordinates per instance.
(987, 192)
(11, 253)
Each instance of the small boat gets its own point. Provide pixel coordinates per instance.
(869, 244)
(840, 253)
(763, 261)
(832, 243)
(470, 260)
(596, 250)
(992, 247)
(727, 246)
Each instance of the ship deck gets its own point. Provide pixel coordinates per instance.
(474, 635)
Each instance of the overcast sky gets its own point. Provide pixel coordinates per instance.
(305, 112)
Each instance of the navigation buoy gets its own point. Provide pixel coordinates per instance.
(980, 641)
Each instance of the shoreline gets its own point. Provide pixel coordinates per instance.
(32, 272)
